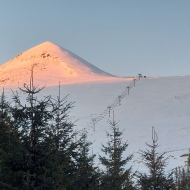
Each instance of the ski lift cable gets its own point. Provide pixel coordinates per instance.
(117, 102)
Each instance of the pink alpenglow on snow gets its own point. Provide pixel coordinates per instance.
(51, 64)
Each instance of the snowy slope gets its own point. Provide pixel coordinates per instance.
(160, 102)
(51, 65)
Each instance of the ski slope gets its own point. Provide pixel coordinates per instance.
(160, 102)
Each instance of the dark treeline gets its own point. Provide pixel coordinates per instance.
(39, 151)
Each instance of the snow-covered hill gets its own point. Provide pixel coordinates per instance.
(160, 102)
(51, 65)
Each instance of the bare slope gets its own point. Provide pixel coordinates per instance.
(51, 65)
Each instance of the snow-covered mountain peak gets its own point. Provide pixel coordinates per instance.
(52, 64)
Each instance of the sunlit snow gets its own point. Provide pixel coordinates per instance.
(51, 65)
(160, 102)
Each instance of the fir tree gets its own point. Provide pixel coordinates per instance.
(87, 175)
(61, 136)
(41, 153)
(116, 176)
(155, 179)
(182, 176)
(6, 140)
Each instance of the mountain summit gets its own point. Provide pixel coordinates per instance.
(51, 64)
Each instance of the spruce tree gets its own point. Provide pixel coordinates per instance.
(6, 140)
(155, 163)
(115, 176)
(63, 152)
(41, 153)
(87, 175)
(182, 176)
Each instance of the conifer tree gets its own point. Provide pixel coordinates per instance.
(42, 152)
(182, 176)
(31, 121)
(87, 175)
(8, 144)
(61, 136)
(4, 123)
(115, 176)
(155, 179)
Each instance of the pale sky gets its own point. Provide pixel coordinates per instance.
(122, 37)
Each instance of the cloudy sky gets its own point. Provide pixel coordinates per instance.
(122, 37)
